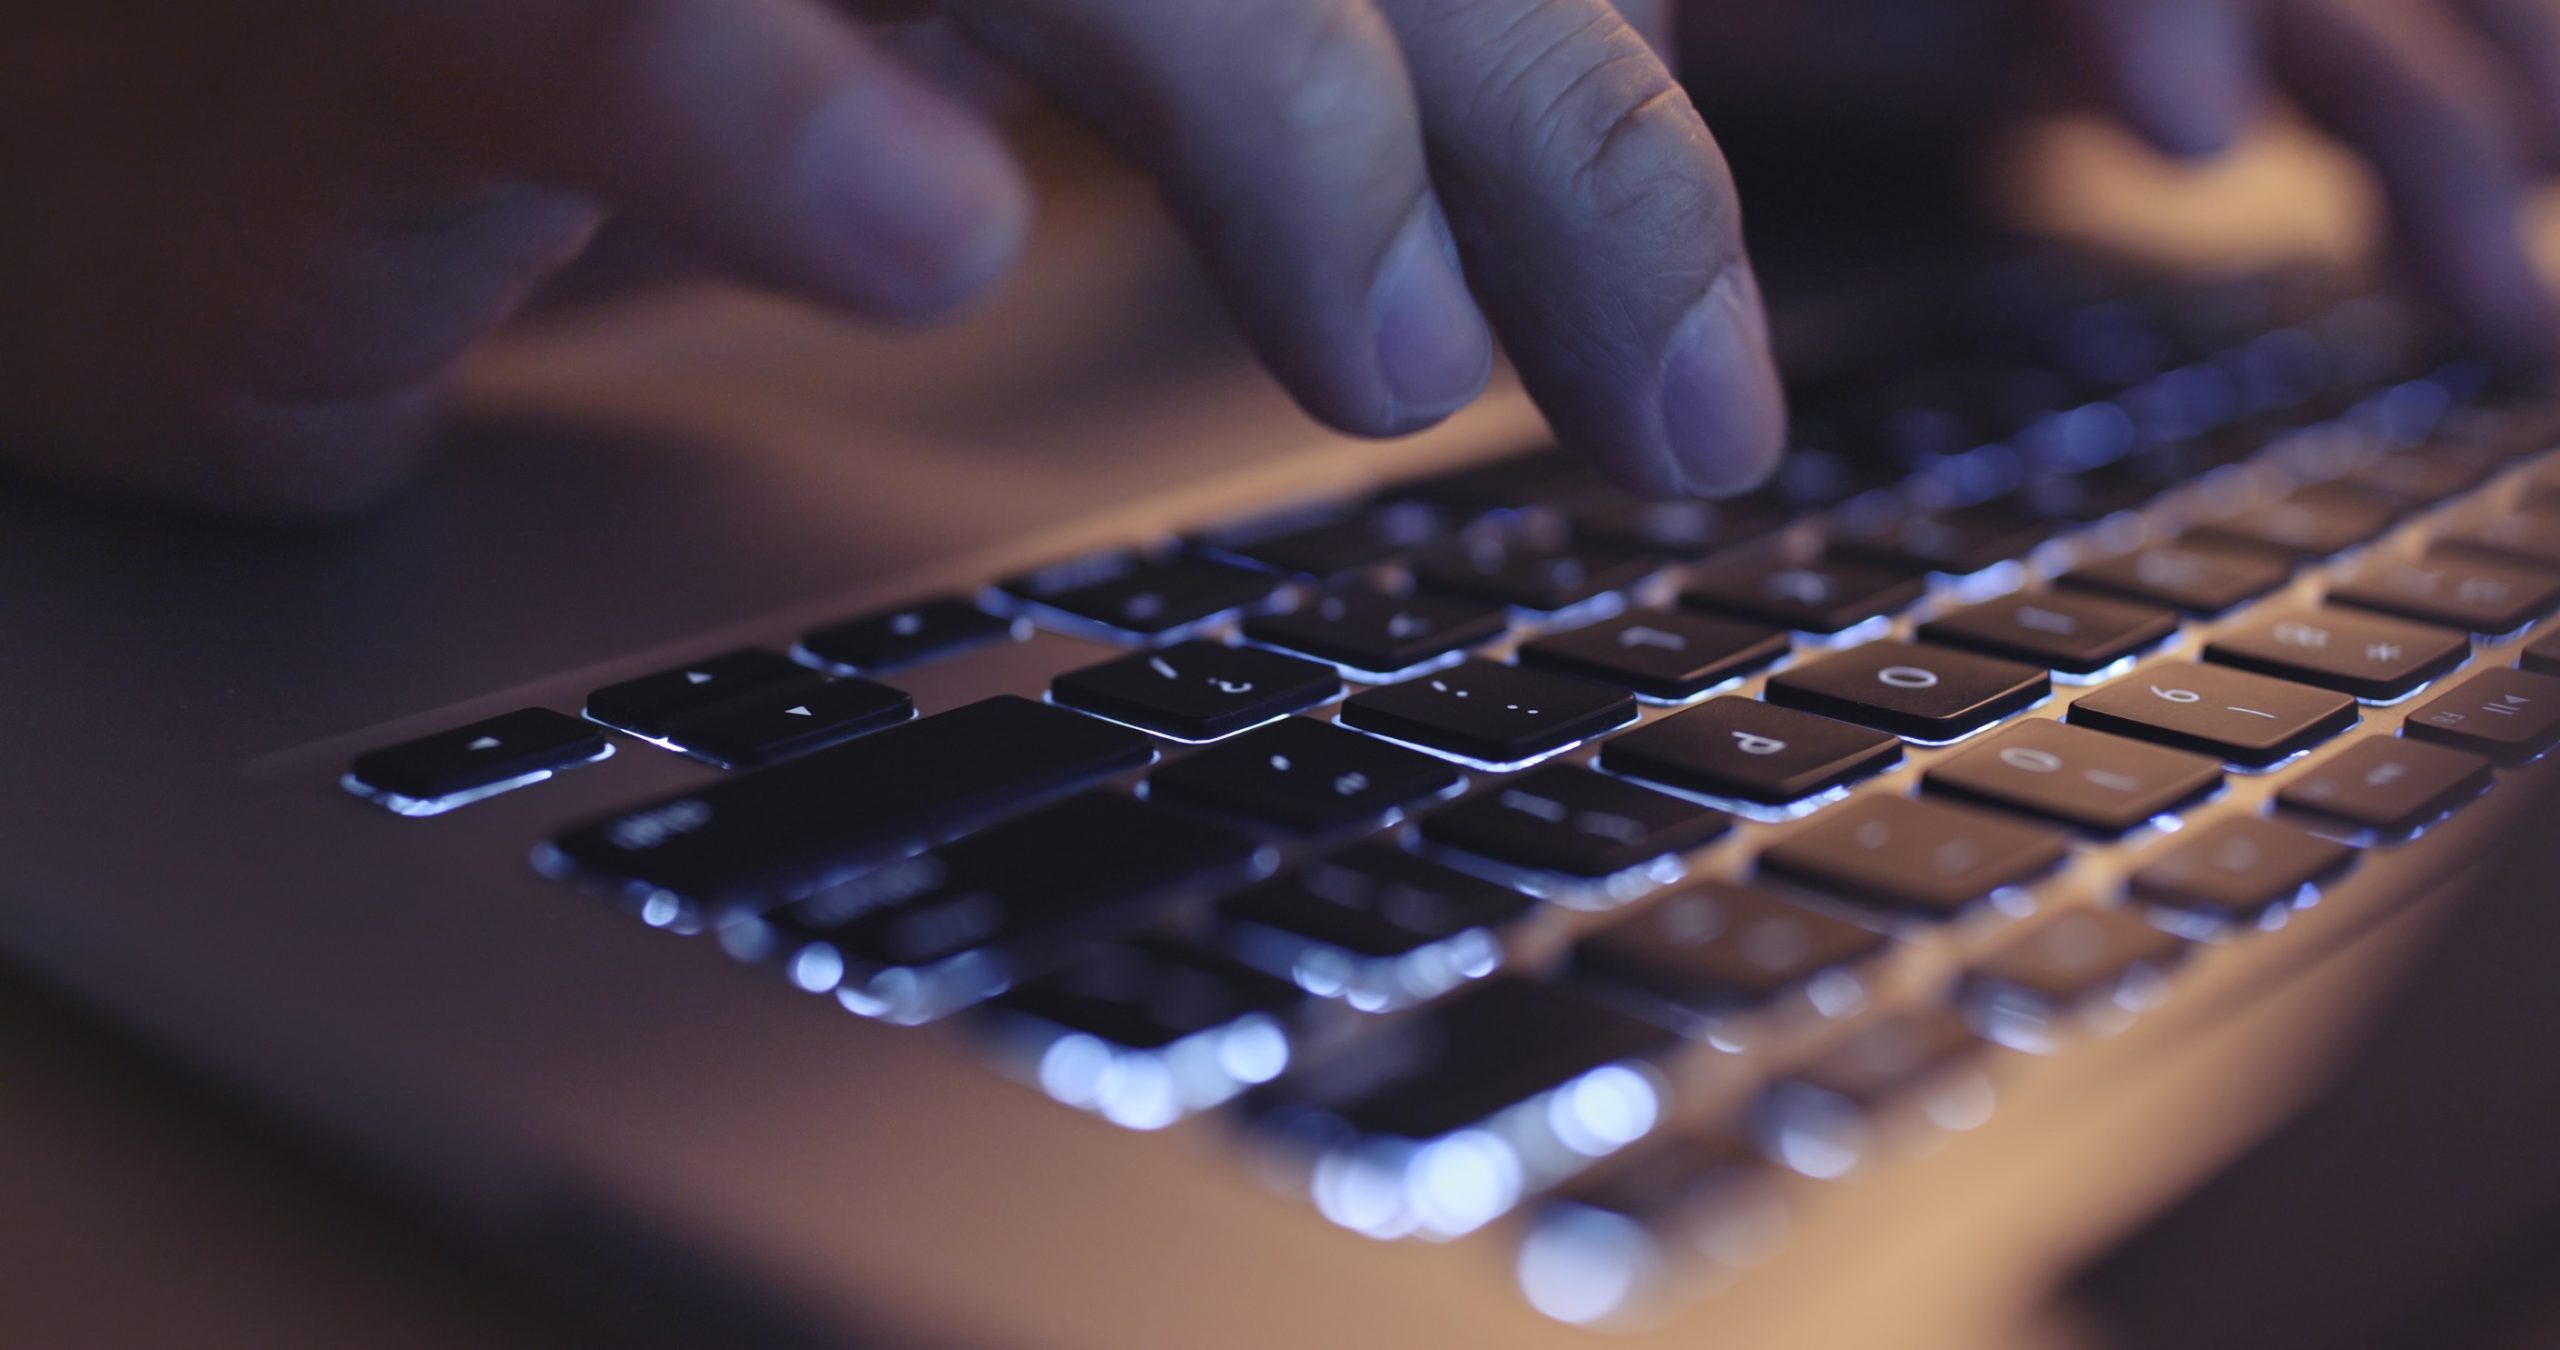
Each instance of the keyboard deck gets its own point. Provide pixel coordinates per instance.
(1497, 846)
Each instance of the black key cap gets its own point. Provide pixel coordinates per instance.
(1305, 775)
(1915, 855)
(1326, 542)
(2093, 496)
(919, 940)
(653, 704)
(1751, 751)
(1662, 654)
(2424, 477)
(2360, 654)
(1145, 597)
(1493, 714)
(1958, 543)
(2240, 870)
(2072, 634)
(2250, 720)
(2085, 779)
(906, 636)
(1678, 529)
(1197, 691)
(2389, 785)
(2314, 522)
(2525, 540)
(1531, 479)
(1367, 631)
(1720, 948)
(2509, 715)
(778, 725)
(2542, 656)
(1571, 820)
(1925, 693)
(1538, 577)
(475, 758)
(1375, 926)
(1461, 1062)
(2453, 590)
(756, 838)
(2097, 966)
(1823, 597)
(2199, 578)
(1823, 1119)
(1137, 1001)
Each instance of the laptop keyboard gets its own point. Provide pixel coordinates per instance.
(1442, 840)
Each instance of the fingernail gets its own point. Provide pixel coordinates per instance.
(1434, 350)
(928, 204)
(1724, 414)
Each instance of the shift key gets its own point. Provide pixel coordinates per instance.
(757, 839)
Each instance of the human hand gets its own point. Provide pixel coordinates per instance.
(250, 239)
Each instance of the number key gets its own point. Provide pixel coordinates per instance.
(1923, 692)
(1824, 597)
(2455, 590)
(1197, 691)
(2250, 720)
(2069, 633)
(2095, 782)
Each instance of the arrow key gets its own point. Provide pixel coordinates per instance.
(780, 723)
(421, 777)
(653, 704)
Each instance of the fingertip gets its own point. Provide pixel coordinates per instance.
(1724, 419)
(1435, 351)
(920, 207)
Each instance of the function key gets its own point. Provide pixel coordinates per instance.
(1197, 691)
(1915, 855)
(2098, 966)
(1375, 926)
(1509, 568)
(2314, 522)
(1143, 597)
(2085, 779)
(1304, 775)
(2198, 577)
(1832, 596)
(1532, 479)
(434, 774)
(1721, 948)
(1490, 713)
(750, 839)
(2250, 720)
(1146, 1032)
(1960, 542)
(779, 724)
(653, 704)
(916, 941)
(1370, 632)
(2361, 654)
(2390, 785)
(1662, 654)
(1574, 821)
(1827, 1117)
(2542, 655)
(1925, 693)
(2512, 716)
(1326, 541)
(906, 636)
(2455, 590)
(2240, 870)
(2065, 632)
(1751, 751)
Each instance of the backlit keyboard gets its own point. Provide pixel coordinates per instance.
(1497, 844)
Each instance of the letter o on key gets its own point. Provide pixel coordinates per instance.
(1908, 677)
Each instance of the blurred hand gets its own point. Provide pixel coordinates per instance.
(249, 239)
(2454, 103)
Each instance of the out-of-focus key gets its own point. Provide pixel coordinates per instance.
(1824, 597)
(2086, 779)
(2542, 656)
(1661, 654)
(1719, 948)
(2085, 969)
(2312, 523)
(1571, 820)
(1372, 632)
(2452, 590)
(2390, 785)
(2511, 716)
(2239, 871)
(653, 704)
(2365, 655)
(769, 727)
(1375, 926)
(1540, 577)
(2065, 632)
(1751, 751)
(1306, 776)
(906, 636)
(1142, 598)
(1920, 856)
(2198, 578)
(1904, 1072)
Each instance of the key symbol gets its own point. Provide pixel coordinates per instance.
(2178, 695)
(1143, 605)
(696, 677)
(2038, 619)
(801, 711)
(2302, 635)
(1798, 584)
(2170, 569)
(2113, 781)
(1750, 744)
(1163, 667)
(1351, 785)
(485, 743)
(1531, 804)
(1231, 686)
(2385, 653)
(1279, 763)
(1908, 677)
(1641, 636)
(2386, 774)
(2031, 760)
(1405, 627)
(907, 625)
